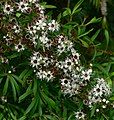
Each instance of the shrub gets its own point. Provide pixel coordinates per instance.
(44, 71)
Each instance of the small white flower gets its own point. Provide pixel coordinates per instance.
(80, 115)
(65, 83)
(86, 74)
(22, 6)
(4, 99)
(68, 64)
(97, 110)
(33, 1)
(8, 9)
(104, 100)
(104, 106)
(40, 24)
(43, 39)
(16, 28)
(34, 61)
(49, 76)
(107, 101)
(9, 72)
(43, 75)
(8, 38)
(53, 25)
(19, 47)
(34, 39)
(40, 9)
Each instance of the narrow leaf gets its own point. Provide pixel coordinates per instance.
(67, 12)
(95, 35)
(30, 106)
(48, 100)
(85, 33)
(50, 6)
(106, 36)
(77, 6)
(6, 86)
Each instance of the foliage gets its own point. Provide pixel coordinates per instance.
(55, 69)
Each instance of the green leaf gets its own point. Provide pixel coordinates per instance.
(85, 44)
(95, 35)
(93, 20)
(81, 30)
(112, 98)
(6, 86)
(49, 6)
(1, 80)
(109, 81)
(65, 113)
(67, 12)
(48, 100)
(17, 78)
(77, 11)
(22, 118)
(77, 6)
(12, 115)
(59, 17)
(102, 69)
(23, 74)
(31, 106)
(85, 33)
(1, 116)
(28, 92)
(112, 74)
(106, 33)
(13, 87)
(93, 110)
(15, 83)
(70, 117)
(18, 15)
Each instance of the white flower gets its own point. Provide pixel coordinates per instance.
(33, 1)
(9, 72)
(53, 25)
(40, 9)
(41, 74)
(16, 28)
(34, 39)
(40, 24)
(44, 39)
(19, 47)
(86, 74)
(68, 62)
(97, 110)
(80, 115)
(31, 29)
(4, 99)
(34, 61)
(104, 100)
(22, 6)
(49, 76)
(8, 38)
(103, 106)
(65, 83)
(45, 75)
(8, 9)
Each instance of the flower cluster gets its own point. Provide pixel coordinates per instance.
(35, 31)
(72, 75)
(100, 90)
(53, 55)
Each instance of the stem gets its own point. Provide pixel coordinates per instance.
(68, 4)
